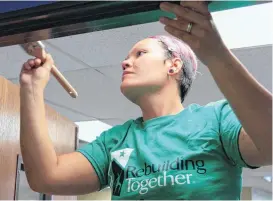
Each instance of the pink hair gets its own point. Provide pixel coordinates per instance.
(179, 49)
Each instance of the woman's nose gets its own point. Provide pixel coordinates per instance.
(125, 64)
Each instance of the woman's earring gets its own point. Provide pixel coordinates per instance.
(171, 71)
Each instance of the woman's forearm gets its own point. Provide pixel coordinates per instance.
(37, 149)
(251, 102)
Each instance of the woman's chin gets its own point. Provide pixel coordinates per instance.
(129, 90)
(125, 85)
(128, 85)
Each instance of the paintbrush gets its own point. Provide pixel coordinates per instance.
(37, 49)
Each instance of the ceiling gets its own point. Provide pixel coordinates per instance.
(91, 62)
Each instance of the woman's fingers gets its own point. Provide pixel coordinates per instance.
(197, 6)
(29, 64)
(32, 63)
(38, 62)
(182, 25)
(186, 14)
(187, 38)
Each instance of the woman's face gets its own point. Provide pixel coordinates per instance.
(144, 69)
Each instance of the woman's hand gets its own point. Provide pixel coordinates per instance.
(202, 37)
(36, 73)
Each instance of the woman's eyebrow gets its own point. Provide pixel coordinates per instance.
(136, 49)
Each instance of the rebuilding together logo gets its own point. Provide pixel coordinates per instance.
(153, 174)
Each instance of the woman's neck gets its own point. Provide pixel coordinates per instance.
(159, 104)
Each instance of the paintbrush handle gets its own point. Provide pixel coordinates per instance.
(63, 81)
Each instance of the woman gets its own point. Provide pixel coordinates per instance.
(171, 152)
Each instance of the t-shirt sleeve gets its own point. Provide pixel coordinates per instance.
(97, 155)
(229, 129)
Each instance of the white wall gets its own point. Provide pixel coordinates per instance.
(89, 130)
(258, 194)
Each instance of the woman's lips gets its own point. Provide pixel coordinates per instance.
(126, 73)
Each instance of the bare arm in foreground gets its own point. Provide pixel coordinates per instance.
(69, 174)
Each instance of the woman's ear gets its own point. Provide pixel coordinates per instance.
(175, 66)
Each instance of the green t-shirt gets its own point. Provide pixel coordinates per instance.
(190, 155)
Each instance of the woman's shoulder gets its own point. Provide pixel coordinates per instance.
(211, 105)
(211, 110)
(118, 131)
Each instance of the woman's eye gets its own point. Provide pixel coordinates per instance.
(139, 53)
